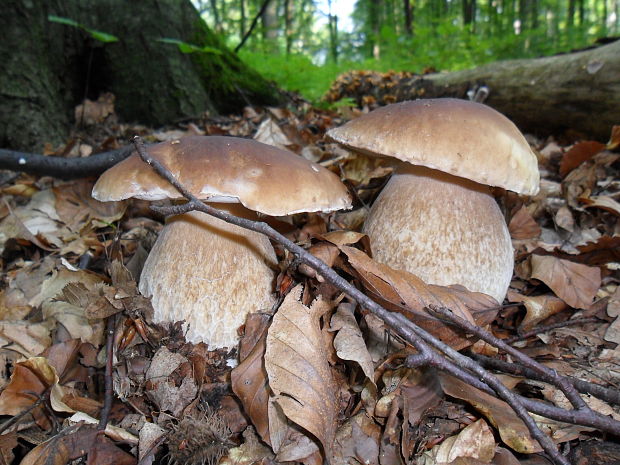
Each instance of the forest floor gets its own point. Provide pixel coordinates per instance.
(69, 297)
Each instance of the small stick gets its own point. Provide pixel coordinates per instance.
(547, 374)
(608, 395)
(109, 381)
(544, 329)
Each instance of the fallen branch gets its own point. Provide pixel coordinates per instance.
(608, 395)
(61, 167)
(411, 333)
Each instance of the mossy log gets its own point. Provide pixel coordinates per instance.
(575, 91)
(48, 67)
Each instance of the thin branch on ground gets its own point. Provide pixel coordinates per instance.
(62, 167)
(109, 380)
(608, 395)
(414, 335)
(546, 374)
(545, 328)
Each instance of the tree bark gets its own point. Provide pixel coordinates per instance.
(578, 91)
(45, 67)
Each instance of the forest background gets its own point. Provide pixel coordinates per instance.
(304, 44)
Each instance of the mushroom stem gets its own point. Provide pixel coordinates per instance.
(209, 273)
(444, 229)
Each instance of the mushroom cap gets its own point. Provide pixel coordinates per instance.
(462, 138)
(228, 169)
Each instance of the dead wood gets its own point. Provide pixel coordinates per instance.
(578, 91)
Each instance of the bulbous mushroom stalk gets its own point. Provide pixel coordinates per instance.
(200, 262)
(443, 228)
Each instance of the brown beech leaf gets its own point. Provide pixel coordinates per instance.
(406, 293)
(70, 444)
(511, 428)
(603, 202)
(474, 441)
(538, 308)
(29, 380)
(250, 384)
(614, 140)
(577, 154)
(298, 369)
(76, 207)
(104, 451)
(574, 283)
(349, 343)
(523, 226)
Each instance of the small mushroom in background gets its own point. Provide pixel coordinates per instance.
(436, 217)
(201, 269)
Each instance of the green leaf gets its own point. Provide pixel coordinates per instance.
(95, 34)
(184, 47)
(61, 20)
(101, 36)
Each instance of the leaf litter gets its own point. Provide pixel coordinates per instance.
(320, 378)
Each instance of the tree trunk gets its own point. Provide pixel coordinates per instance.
(408, 17)
(578, 91)
(45, 67)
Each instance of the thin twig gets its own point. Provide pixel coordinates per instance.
(544, 329)
(406, 329)
(608, 395)
(109, 380)
(547, 374)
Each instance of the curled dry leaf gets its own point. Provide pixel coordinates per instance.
(474, 441)
(70, 444)
(250, 384)
(349, 343)
(574, 283)
(538, 308)
(577, 154)
(298, 370)
(30, 379)
(604, 202)
(511, 428)
(523, 226)
(406, 293)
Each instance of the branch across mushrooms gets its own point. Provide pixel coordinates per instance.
(201, 269)
(436, 217)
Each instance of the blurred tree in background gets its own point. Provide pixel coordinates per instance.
(293, 37)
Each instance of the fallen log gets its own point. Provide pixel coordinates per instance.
(579, 91)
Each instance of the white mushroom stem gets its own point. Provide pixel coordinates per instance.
(444, 229)
(210, 274)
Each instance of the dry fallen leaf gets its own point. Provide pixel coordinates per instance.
(406, 293)
(523, 226)
(298, 369)
(538, 308)
(511, 428)
(29, 380)
(577, 154)
(250, 384)
(475, 441)
(349, 343)
(574, 283)
(604, 202)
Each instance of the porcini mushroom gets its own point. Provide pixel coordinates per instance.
(436, 217)
(201, 269)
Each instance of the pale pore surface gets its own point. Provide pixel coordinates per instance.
(444, 229)
(210, 274)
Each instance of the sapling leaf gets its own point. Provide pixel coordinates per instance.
(95, 34)
(185, 47)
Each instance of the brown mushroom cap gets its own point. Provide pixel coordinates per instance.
(228, 169)
(462, 138)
